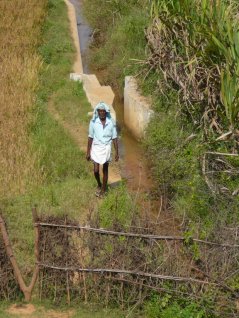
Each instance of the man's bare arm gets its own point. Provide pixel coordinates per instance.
(115, 142)
(90, 140)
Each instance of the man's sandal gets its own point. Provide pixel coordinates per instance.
(98, 191)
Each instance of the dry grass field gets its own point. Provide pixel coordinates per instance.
(20, 26)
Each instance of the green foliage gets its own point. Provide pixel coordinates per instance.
(117, 208)
(177, 163)
(212, 41)
(103, 14)
(178, 135)
(123, 42)
(164, 307)
(230, 95)
(233, 282)
(176, 159)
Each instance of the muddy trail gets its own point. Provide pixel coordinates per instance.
(133, 164)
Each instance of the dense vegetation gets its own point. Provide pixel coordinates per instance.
(185, 55)
(193, 49)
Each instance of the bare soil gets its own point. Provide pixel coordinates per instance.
(30, 311)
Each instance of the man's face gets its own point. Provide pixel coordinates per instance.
(102, 113)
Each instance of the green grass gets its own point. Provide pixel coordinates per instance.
(72, 105)
(117, 208)
(177, 163)
(59, 157)
(44, 310)
(70, 197)
(176, 311)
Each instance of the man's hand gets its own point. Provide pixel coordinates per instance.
(115, 142)
(90, 140)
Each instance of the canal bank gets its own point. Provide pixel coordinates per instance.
(133, 164)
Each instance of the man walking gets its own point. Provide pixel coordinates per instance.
(102, 131)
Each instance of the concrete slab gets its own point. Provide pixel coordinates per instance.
(78, 68)
(137, 108)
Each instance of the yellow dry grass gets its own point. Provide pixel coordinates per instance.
(20, 23)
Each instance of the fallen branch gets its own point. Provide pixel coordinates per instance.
(127, 272)
(224, 136)
(135, 273)
(222, 154)
(127, 234)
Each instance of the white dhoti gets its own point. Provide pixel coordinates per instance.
(100, 153)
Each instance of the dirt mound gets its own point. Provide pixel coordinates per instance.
(22, 309)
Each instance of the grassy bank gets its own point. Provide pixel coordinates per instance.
(118, 37)
(65, 185)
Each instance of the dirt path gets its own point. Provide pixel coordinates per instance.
(138, 177)
(80, 133)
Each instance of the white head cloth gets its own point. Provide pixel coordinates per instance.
(102, 106)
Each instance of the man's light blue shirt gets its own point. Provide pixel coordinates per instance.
(101, 134)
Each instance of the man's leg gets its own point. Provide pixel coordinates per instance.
(105, 176)
(97, 174)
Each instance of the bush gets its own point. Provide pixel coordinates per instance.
(117, 208)
(164, 307)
